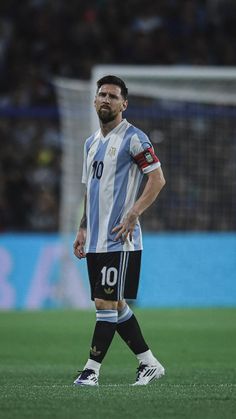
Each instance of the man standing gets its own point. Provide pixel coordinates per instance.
(115, 159)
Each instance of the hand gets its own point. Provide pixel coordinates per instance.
(79, 243)
(127, 226)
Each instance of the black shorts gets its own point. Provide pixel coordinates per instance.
(114, 275)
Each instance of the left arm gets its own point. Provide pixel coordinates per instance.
(154, 184)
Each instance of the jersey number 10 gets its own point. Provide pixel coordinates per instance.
(97, 169)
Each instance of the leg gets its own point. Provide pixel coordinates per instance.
(128, 327)
(106, 322)
(129, 330)
(103, 277)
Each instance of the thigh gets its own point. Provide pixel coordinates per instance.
(114, 275)
(104, 274)
(132, 275)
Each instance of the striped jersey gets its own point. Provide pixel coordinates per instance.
(113, 169)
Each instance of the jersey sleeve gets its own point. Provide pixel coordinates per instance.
(143, 153)
(84, 172)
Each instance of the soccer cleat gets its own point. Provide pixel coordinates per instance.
(87, 377)
(147, 373)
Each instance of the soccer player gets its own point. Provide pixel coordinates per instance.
(115, 159)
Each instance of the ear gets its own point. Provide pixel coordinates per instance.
(124, 105)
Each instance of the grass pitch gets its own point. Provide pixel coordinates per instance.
(40, 352)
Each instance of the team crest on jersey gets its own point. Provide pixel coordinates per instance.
(148, 157)
(112, 152)
(91, 151)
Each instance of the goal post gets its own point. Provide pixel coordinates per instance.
(74, 109)
(198, 85)
(73, 98)
(189, 113)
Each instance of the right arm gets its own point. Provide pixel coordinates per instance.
(80, 238)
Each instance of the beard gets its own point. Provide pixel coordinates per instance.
(106, 115)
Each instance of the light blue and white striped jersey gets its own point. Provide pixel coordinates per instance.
(113, 174)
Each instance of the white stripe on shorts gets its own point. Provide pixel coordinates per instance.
(122, 274)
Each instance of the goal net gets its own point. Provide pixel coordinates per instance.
(190, 116)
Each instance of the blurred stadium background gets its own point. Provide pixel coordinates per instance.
(179, 60)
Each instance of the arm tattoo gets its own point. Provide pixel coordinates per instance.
(83, 222)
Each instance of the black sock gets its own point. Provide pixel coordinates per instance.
(103, 334)
(130, 332)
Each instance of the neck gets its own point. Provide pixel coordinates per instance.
(109, 126)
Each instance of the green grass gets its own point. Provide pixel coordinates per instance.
(40, 352)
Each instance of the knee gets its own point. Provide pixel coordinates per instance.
(105, 305)
(121, 304)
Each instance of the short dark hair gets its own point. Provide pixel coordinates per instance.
(116, 81)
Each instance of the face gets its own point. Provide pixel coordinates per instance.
(109, 103)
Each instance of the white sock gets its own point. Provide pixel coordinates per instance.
(93, 365)
(147, 358)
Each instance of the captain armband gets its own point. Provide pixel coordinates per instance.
(146, 158)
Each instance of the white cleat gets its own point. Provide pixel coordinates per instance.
(147, 373)
(87, 378)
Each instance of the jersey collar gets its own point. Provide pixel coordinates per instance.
(113, 131)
